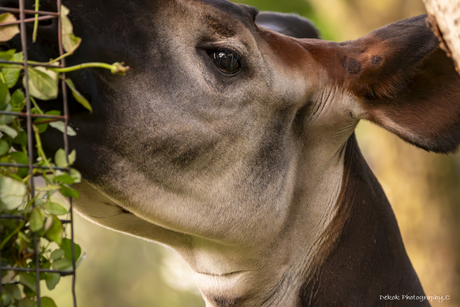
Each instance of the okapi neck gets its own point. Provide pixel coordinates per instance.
(363, 257)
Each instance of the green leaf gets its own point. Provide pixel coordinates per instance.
(8, 130)
(47, 302)
(69, 192)
(69, 40)
(18, 99)
(14, 291)
(27, 302)
(61, 126)
(67, 247)
(3, 92)
(21, 138)
(24, 241)
(21, 158)
(54, 233)
(57, 254)
(59, 158)
(44, 263)
(53, 112)
(37, 219)
(7, 298)
(12, 193)
(10, 73)
(65, 179)
(43, 83)
(18, 57)
(11, 76)
(48, 224)
(15, 177)
(7, 119)
(28, 280)
(4, 147)
(72, 157)
(7, 55)
(41, 127)
(54, 208)
(38, 202)
(63, 264)
(79, 261)
(52, 279)
(29, 292)
(75, 175)
(8, 32)
(79, 97)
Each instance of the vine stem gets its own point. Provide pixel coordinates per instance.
(82, 66)
(67, 54)
(36, 106)
(115, 68)
(40, 149)
(34, 35)
(12, 234)
(51, 62)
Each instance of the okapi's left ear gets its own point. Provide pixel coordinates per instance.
(406, 84)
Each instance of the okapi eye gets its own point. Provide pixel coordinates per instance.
(228, 61)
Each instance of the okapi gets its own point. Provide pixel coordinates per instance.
(233, 144)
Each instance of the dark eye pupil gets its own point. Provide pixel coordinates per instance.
(228, 61)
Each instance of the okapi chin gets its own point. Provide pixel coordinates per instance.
(231, 140)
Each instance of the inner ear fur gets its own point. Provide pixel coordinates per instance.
(406, 84)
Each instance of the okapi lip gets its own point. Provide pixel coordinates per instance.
(123, 210)
(224, 274)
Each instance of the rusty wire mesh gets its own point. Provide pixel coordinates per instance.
(43, 15)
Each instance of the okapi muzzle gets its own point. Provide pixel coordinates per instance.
(231, 140)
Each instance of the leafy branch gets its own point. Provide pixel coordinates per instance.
(35, 218)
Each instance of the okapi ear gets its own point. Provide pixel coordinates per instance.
(406, 84)
(288, 24)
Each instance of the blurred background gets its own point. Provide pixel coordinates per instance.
(423, 188)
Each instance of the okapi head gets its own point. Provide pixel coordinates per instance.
(233, 144)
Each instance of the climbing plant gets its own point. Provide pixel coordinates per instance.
(33, 227)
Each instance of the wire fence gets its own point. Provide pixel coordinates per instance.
(43, 15)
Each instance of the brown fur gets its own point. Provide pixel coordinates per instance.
(362, 247)
(402, 79)
(242, 174)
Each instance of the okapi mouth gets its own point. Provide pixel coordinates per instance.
(120, 208)
(125, 211)
(230, 274)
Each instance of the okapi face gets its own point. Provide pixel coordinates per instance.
(233, 144)
(211, 125)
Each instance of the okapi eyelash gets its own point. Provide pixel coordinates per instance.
(221, 46)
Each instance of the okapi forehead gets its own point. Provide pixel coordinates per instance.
(223, 18)
(243, 13)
